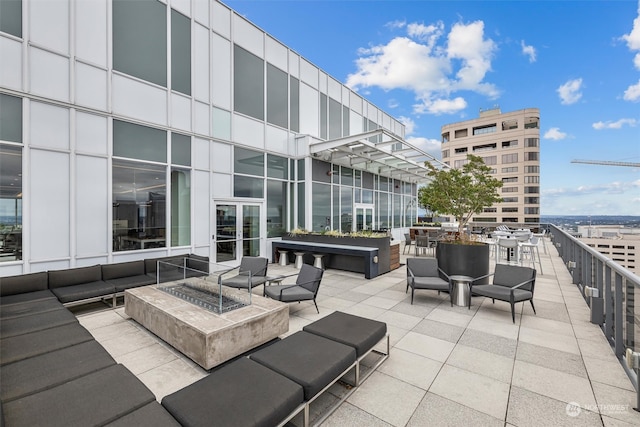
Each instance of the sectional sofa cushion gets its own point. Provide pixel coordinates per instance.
(74, 276)
(242, 393)
(84, 291)
(126, 275)
(9, 311)
(47, 370)
(32, 344)
(26, 297)
(23, 283)
(94, 399)
(150, 415)
(358, 332)
(310, 360)
(35, 322)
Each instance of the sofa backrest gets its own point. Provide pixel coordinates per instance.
(122, 269)
(74, 276)
(22, 283)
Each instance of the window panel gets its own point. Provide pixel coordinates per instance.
(277, 105)
(180, 207)
(335, 119)
(323, 116)
(248, 162)
(294, 104)
(248, 83)
(10, 202)
(180, 149)
(244, 186)
(277, 167)
(346, 209)
(180, 53)
(276, 208)
(10, 118)
(321, 215)
(140, 39)
(139, 142)
(11, 17)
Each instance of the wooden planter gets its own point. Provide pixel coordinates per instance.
(466, 260)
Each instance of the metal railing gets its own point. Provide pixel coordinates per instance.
(615, 305)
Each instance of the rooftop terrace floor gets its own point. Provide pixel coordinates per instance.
(448, 365)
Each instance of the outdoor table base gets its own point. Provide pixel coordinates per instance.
(460, 291)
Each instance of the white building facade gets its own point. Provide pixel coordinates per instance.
(131, 129)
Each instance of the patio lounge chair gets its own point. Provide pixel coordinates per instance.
(423, 273)
(305, 288)
(252, 272)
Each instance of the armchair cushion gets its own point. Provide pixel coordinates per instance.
(502, 293)
(288, 293)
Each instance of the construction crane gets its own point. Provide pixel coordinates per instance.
(607, 163)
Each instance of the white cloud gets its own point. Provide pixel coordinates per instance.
(431, 146)
(555, 134)
(615, 187)
(614, 125)
(395, 24)
(633, 92)
(409, 125)
(430, 66)
(570, 91)
(529, 51)
(633, 38)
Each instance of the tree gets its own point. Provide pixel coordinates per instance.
(460, 192)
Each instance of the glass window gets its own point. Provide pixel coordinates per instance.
(335, 119)
(346, 209)
(480, 130)
(531, 156)
(301, 173)
(139, 212)
(397, 211)
(10, 201)
(367, 180)
(277, 102)
(10, 118)
(180, 149)
(510, 158)
(11, 17)
(248, 162)
(294, 104)
(180, 207)
(276, 208)
(336, 207)
(277, 167)
(321, 171)
(248, 83)
(323, 116)
(139, 142)
(245, 186)
(346, 175)
(140, 39)
(180, 53)
(532, 169)
(321, 215)
(301, 206)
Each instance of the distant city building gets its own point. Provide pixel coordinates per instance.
(510, 144)
(616, 242)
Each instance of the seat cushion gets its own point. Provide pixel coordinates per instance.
(308, 359)
(122, 283)
(289, 294)
(32, 307)
(32, 344)
(26, 297)
(435, 283)
(242, 393)
(48, 370)
(93, 399)
(242, 281)
(35, 322)
(150, 415)
(355, 331)
(501, 292)
(83, 291)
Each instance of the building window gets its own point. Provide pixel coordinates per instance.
(180, 207)
(139, 142)
(276, 208)
(180, 149)
(481, 130)
(490, 210)
(461, 150)
(10, 194)
(509, 200)
(531, 200)
(531, 142)
(510, 124)
(445, 137)
(531, 122)
(294, 104)
(457, 164)
(345, 121)
(510, 179)
(461, 133)
(277, 97)
(531, 211)
(140, 39)
(531, 156)
(11, 17)
(180, 53)
(10, 118)
(512, 143)
(248, 83)
(509, 219)
(533, 220)
(481, 219)
(321, 215)
(509, 210)
(509, 189)
(248, 162)
(510, 158)
(484, 147)
(335, 119)
(531, 179)
(511, 169)
(532, 169)
(531, 190)
(445, 153)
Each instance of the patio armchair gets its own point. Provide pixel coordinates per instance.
(423, 273)
(251, 272)
(511, 283)
(407, 243)
(305, 288)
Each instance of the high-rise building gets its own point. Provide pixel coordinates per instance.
(509, 143)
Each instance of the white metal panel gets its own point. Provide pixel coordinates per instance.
(11, 64)
(221, 19)
(201, 11)
(91, 31)
(248, 131)
(36, 266)
(355, 123)
(248, 36)
(221, 185)
(372, 112)
(221, 72)
(356, 103)
(202, 217)
(140, 100)
(334, 89)
(276, 53)
(221, 124)
(201, 63)
(322, 81)
(91, 134)
(91, 86)
(294, 64)
(87, 262)
(92, 205)
(182, 6)
(309, 110)
(49, 214)
(221, 155)
(49, 74)
(200, 148)
(49, 126)
(201, 113)
(49, 24)
(180, 111)
(309, 73)
(346, 95)
(276, 140)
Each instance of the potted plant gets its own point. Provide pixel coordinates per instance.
(461, 193)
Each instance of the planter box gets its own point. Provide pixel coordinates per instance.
(466, 260)
(348, 263)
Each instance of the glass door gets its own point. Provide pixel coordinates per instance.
(364, 217)
(237, 232)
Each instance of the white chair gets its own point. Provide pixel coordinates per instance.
(541, 237)
(507, 250)
(529, 250)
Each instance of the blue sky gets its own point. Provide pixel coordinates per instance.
(431, 63)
